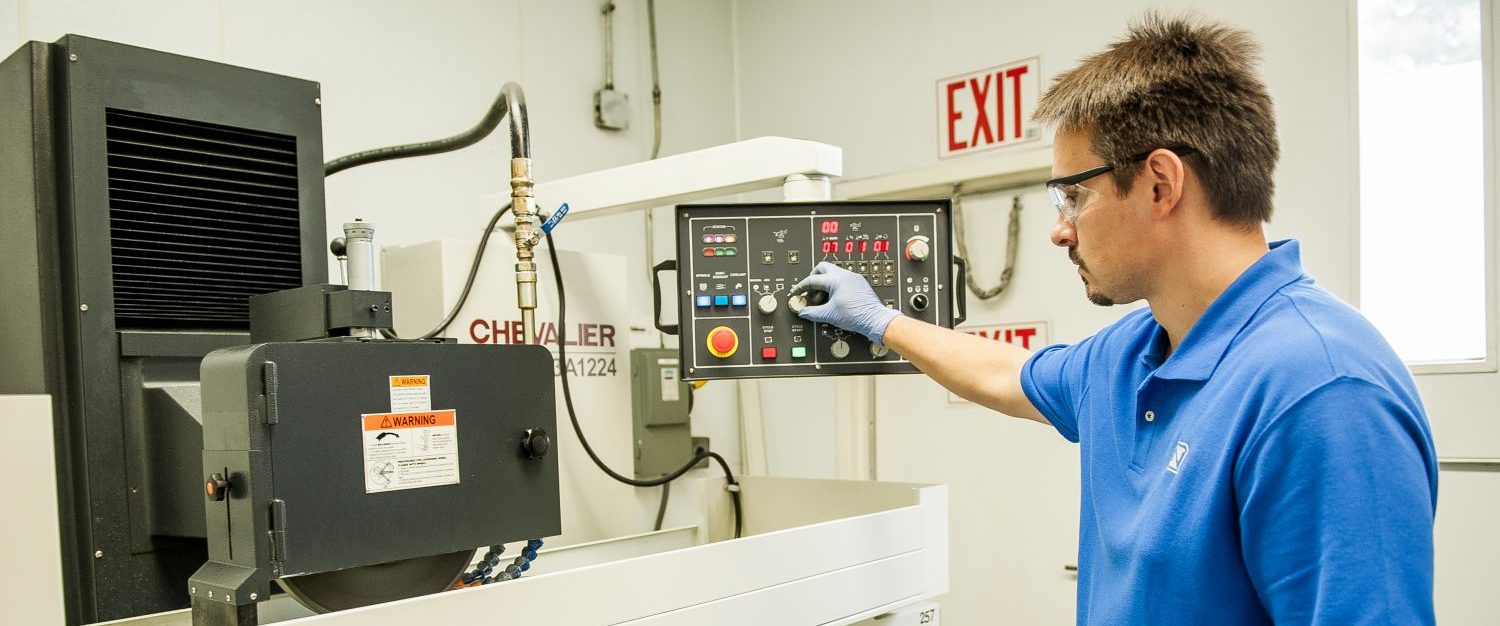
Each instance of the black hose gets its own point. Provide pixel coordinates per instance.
(562, 357)
(510, 103)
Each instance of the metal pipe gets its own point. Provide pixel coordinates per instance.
(521, 184)
(609, 45)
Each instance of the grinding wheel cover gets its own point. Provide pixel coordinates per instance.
(373, 584)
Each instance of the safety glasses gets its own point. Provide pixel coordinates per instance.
(1070, 196)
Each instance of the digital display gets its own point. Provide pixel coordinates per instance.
(849, 247)
(882, 245)
(830, 228)
(864, 244)
(830, 247)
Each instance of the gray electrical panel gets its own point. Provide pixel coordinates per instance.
(659, 406)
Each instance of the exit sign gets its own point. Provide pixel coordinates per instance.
(987, 109)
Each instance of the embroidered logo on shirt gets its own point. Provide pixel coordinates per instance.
(1178, 456)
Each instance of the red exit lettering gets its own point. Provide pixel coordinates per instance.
(986, 109)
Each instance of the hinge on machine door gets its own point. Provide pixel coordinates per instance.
(278, 532)
(268, 378)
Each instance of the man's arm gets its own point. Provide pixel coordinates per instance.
(979, 370)
(982, 371)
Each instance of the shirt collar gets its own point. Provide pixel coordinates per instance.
(1209, 338)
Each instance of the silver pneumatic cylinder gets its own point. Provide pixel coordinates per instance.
(359, 246)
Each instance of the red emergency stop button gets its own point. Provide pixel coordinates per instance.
(722, 342)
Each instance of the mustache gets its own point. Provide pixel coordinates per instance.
(1073, 256)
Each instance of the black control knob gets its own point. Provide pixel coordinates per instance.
(536, 443)
(815, 298)
(919, 302)
(216, 488)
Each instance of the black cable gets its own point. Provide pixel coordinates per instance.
(511, 102)
(661, 509)
(562, 308)
(463, 296)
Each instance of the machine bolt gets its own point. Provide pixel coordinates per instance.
(536, 443)
(83, 307)
(98, 554)
(73, 58)
(374, 308)
(193, 590)
(318, 101)
(254, 595)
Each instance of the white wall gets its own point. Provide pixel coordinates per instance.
(861, 75)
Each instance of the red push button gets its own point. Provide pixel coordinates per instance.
(768, 353)
(723, 342)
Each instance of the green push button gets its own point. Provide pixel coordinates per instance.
(799, 352)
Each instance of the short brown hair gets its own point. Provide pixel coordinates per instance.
(1177, 83)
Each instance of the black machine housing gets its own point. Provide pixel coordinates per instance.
(144, 197)
(284, 428)
(745, 258)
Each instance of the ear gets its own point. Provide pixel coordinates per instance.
(1167, 174)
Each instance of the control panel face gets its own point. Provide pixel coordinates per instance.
(737, 264)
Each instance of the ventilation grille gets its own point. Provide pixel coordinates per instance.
(201, 217)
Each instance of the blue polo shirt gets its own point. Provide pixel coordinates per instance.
(1277, 467)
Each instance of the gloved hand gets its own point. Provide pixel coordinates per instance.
(852, 304)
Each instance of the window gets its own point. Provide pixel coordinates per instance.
(1423, 257)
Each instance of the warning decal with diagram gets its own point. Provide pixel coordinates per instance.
(410, 450)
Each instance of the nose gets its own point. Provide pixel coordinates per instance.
(1063, 234)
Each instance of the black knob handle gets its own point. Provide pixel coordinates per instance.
(919, 302)
(536, 443)
(216, 488)
(816, 297)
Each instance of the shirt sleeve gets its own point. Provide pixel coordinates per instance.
(1053, 380)
(1336, 499)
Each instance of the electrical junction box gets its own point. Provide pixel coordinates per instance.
(663, 430)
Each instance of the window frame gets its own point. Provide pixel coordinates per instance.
(1488, 70)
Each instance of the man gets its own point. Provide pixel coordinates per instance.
(1252, 450)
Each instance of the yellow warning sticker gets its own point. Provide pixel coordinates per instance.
(411, 393)
(410, 450)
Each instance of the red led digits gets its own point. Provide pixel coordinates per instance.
(863, 245)
(830, 228)
(849, 247)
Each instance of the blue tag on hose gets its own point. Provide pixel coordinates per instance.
(556, 217)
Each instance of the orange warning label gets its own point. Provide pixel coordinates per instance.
(408, 381)
(423, 419)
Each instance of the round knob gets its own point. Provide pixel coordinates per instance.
(797, 303)
(767, 304)
(917, 249)
(878, 350)
(536, 443)
(919, 302)
(840, 348)
(722, 342)
(216, 488)
(816, 298)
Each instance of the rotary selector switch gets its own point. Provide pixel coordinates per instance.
(878, 350)
(766, 304)
(918, 249)
(839, 349)
(797, 303)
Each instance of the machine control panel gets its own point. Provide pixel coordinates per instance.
(737, 264)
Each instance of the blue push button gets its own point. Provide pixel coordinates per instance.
(740, 299)
(721, 300)
(704, 301)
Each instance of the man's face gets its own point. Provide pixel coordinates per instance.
(1108, 240)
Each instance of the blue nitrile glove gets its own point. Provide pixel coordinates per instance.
(852, 304)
